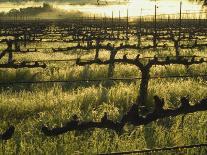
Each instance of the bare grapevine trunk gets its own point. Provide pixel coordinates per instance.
(143, 91)
(111, 65)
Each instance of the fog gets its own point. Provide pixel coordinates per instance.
(91, 7)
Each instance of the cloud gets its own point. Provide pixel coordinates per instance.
(79, 2)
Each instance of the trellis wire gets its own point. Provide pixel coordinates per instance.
(74, 59)
(99, 80)
(158, 149)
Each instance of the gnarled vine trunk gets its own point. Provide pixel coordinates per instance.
(112, 65)
(143, 90)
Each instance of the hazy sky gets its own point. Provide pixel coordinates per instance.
(134, 7)
(71, 1)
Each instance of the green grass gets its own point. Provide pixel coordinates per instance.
(30, 106)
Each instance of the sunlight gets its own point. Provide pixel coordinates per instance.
(134, 8)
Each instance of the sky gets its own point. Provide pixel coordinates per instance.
(91, 7)
(71, 1)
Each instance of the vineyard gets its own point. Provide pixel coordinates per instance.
(104, 85)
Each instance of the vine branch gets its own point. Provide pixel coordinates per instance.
(131, 117)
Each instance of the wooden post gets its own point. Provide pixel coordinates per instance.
(180, 20)
(199, 21)
(25, 39)
(155, 29)
(168, 21)
(119, 16)
(104, 19)
(105, 25)
(140, 29)
(112, 18)
(127, 28)
(119, 25)
(112, 24)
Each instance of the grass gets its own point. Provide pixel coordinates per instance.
(30, 106)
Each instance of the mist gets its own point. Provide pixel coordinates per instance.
(64, 9)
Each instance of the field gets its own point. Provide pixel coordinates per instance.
(28, 106)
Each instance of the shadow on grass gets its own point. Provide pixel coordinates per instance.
(11, 114)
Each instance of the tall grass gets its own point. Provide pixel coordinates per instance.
(30, 106)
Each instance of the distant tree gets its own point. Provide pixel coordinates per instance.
(13, 12)
(47, 6)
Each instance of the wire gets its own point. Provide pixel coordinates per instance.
(98, 80)
(158, 149)
(74, 59)
(57, 60)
